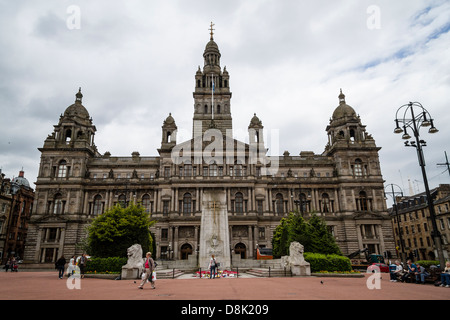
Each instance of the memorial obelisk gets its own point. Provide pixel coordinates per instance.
(214, 232)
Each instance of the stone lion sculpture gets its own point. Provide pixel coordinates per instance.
(295, 256)
(135, 260)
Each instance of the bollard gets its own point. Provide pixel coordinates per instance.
(269, 272)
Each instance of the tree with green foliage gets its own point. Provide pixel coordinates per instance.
(312, 234)
(113, 232)
(280, 243)
(322, 241)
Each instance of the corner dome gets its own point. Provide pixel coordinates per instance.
(77, 109)
(255, 122)
(211, 45)
(343, 110)
(21, 180)
(170, 121)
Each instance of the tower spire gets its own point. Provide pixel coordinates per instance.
(78, 96)
(211, 31)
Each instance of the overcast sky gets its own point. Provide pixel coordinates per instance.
(287, 59)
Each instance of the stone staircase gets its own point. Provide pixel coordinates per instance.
(168, 273)
(269, 272)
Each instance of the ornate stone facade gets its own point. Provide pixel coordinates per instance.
(344, 184)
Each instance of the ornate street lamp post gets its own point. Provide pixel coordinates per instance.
(407, 118)
(394, 195)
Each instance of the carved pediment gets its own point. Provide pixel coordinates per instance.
(51, 219)
(367, 215)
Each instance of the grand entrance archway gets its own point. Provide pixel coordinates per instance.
(241, 249)
(186, 250)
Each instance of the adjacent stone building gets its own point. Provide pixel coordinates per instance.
(412, 223)
(76, 182)
(16, 205)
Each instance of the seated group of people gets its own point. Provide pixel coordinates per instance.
(419, 272)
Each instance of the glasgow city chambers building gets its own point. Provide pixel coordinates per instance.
(76, 183)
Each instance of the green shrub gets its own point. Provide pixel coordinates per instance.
(103, 265)
(427, 263)
(327, 262)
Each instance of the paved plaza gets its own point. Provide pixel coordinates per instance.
(45, 285)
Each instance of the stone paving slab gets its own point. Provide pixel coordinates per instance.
(47, 286)
(224, 298)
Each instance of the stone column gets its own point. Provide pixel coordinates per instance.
(175, 245)
(250, 242)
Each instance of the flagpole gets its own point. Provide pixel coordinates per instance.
(212, 96)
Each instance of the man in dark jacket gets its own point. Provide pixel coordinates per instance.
(60, 266)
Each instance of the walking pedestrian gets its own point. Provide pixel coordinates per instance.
(14, 265)
(82, 264)
(71, 266)
(149, 268)
(59, 265)
(8, 264)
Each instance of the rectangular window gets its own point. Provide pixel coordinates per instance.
(166, 207)
(358, 170)
(213, 171)
(259, 204)
(262, 233)
(166, 172)
(188, 170)
(62, 170)
(57, 209)
(164, 234)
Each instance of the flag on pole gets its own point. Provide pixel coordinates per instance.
(212, 96)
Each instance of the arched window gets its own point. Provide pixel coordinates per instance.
(146, 202)
(68, 135)
(241, 250)
(279, 203)
(97, 209)
(123, 201)
(187, 203)
(325, 203)
(218, 109)
(239, 202)
(352, 135)
(206, 108)
(186, 250)
(58, 204)
(62, 169)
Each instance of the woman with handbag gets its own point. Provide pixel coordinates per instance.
(149, 268)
